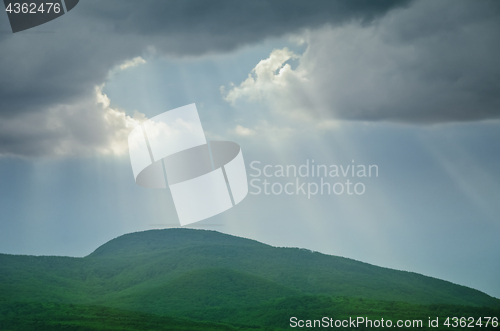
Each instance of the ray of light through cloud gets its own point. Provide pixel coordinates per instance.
(394, 92)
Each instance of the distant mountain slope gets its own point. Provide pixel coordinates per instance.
(154, 241)
(160, 271)
(166, 254)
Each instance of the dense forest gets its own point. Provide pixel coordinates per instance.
(182, 279)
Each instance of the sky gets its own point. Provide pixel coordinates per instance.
(411, 87)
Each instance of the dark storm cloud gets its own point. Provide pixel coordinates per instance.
(48, 74)
(195, 27)
(436, 61)
(38, 70)
(424, 61)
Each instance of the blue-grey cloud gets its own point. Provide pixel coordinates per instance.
(61, 62)
(432, 62)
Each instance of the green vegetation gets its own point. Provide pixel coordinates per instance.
(182, 279)
(59, 317)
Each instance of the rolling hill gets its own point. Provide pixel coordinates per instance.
(217, 278)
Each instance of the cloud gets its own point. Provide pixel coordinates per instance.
(268, 77)
(42, 74)
(242, 131)
(132, 63)
(38, 69)
(84, 128)
(408, 67)
(274, 83)
(197, 27)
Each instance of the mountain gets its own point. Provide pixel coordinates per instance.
(199, 275)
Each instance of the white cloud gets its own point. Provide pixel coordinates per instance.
(84, 128)
(271, 81)
(132, 63)
(242, 131)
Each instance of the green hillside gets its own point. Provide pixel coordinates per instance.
(206, 276)
(203, 289)
(61, 317)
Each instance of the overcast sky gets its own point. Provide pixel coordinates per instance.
(413, 87)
